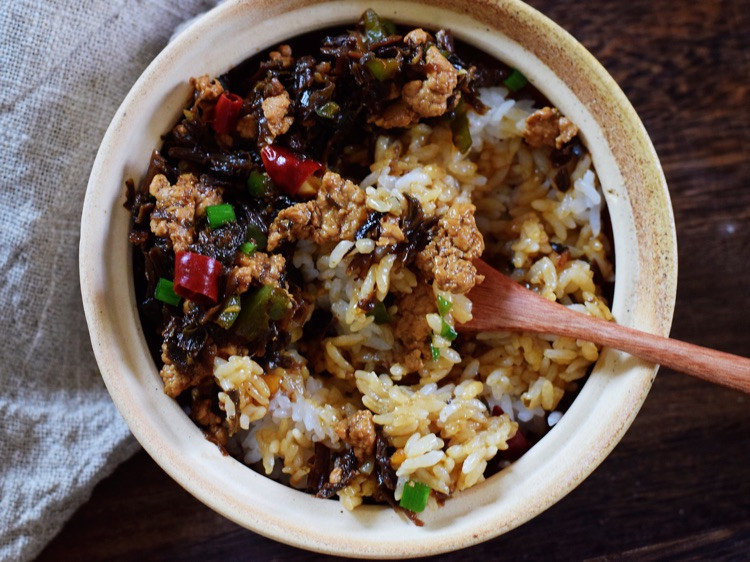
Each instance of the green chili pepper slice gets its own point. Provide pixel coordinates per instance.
(380, 313)
(382, 69)
(229, 312)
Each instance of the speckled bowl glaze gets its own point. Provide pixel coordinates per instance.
(646, 266)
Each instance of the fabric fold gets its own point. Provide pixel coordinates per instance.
(64, 69)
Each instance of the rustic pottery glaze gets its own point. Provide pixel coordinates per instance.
(646, 267)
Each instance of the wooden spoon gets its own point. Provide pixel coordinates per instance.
(500, 304)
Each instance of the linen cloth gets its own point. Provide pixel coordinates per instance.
(65, 66)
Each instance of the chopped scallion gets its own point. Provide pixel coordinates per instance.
(434, 352)
(248, 248)
(515, 81)
(444, 305)
(219, 215)
(447, 331)
(229, 313)
(164, 292)
(414, 497)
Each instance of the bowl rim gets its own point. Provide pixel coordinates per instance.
(113, 340)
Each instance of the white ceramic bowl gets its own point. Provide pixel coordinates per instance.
(646, 275)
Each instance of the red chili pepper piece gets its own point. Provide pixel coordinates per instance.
(196, 277)
(288, 169)
(226, 113)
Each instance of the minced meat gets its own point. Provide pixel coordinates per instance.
(335, 214)
(546, 127)
(178, 206)
(447, 258)
(358, 432)
(257, 269)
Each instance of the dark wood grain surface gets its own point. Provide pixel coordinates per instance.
(678, 485)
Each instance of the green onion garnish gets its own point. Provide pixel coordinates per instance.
(444, 305)
(229, 313)
(380, 313)
(164, 292)
(515, 81)
(434, 352)
(328, 110)
(414, 496)
(447, 331)
(219, 215)
(258, 183)
(256, 235)
(248, 248)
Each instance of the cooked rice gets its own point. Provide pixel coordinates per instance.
(445, 427)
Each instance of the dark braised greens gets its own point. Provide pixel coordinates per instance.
(342, 81)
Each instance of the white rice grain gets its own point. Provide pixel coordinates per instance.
(339, 252)
(365, 245)
(383, 275)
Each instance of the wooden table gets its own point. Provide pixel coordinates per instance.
(678, 485)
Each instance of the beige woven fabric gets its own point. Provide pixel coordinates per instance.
(65, 66)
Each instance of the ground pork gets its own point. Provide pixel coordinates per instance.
(205, 196)
(175, 382)
(421, 98)
(275, 111)
(416, 37)
(546, 127)
(174, 213)
(430, 97)
(412, 361)
(447, 258)
(283, 55)
(396, 115)
(206, 92)
(201, 412)
(411, 327)
(390, 231)
(293, 223)
(247, 126)
(335, 214)
(177, 207)
(358, 431)
(259, 268)
(227, 349)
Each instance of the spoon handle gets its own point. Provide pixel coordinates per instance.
(707, 364)
(502, 304)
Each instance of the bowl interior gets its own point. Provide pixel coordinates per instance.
(645, 250)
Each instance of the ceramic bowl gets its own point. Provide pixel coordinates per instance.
(645, 248)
